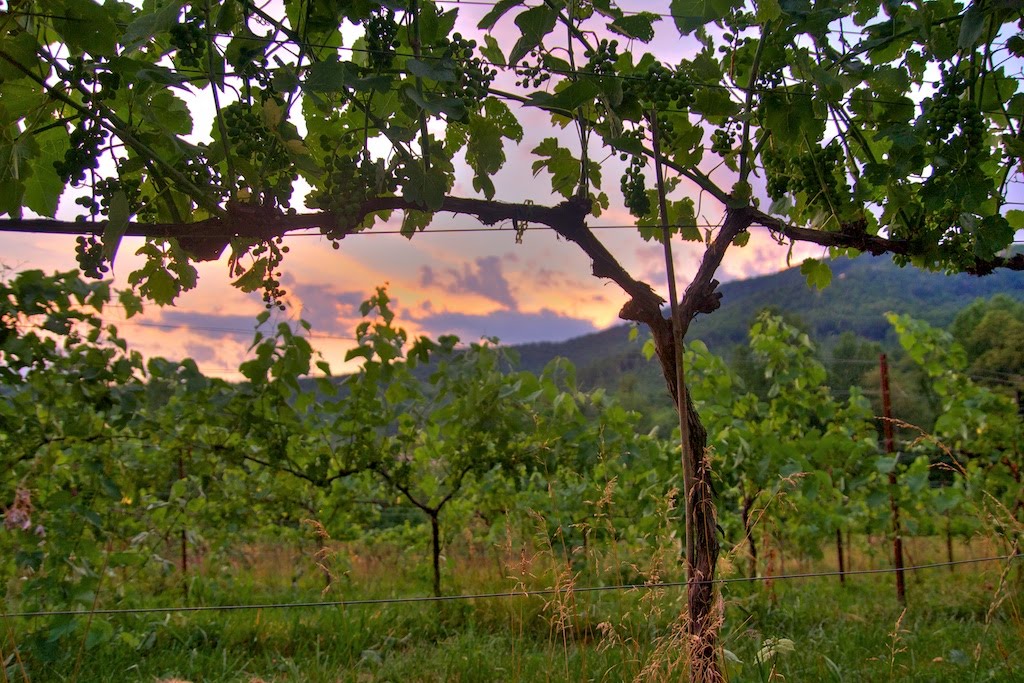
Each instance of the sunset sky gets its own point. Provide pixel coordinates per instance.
(472, 284)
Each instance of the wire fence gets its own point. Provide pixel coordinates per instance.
(497, 595)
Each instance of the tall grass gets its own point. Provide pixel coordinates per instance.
(959, 626)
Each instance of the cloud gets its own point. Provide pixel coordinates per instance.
(329, 311)
(213, 325)
(201, 353)
(762, 256)
(484, 278)
(511, 327)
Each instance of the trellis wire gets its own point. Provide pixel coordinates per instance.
(487, 596)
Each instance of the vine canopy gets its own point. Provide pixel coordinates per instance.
(207, 126)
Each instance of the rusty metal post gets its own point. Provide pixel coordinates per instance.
(890, 447)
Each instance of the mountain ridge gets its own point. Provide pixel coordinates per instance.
(862, 291)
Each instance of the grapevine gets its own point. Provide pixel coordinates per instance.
(264, 151)
(188, 38)
(381, 39)
(473, 76)
(82, 155)
(634, 188)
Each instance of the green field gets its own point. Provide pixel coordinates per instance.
(960, 624)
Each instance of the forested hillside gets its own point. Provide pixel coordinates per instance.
(862, 291)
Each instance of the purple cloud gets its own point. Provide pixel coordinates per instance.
(484, 277)
(201, 353)
(511, 327)
(213, 325)
(327, 310)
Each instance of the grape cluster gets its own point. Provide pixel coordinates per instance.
(83, 152)
(89, 254)
(634, 187)
(188, 38)
(381, 38)
(346, 187)
(954, 120)
(601, 60)
(246, 131)
(973, 126)
(257, 71)
(943, 114)
(273, 251)
(817, 174)
(132, 188)
(723, 140)
(110, 83)
(77, 71)
(532, 75)
(94, 75)
(277, 190)
(250, 64)
(662, 87)
(666, 130)
(775, 171)
(98, 204)
(261, 147)
(473, 76)
(196, 167)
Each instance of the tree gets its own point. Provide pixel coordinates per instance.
(402, 429)
(852, 357)
(785, 438)
(892, 129)
(978, 430)
(466, 420)
(990, 330)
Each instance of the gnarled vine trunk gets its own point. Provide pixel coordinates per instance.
(701, 517)
(435, 551)
(702, 522)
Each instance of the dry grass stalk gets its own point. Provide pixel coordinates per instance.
(896, 642)
(323, 554)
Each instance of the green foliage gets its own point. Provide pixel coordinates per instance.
(924, 133)
(475, 640)
(794, 450)
(818, 274)
(114, 462)
(989, 331)
(978, 430)
(852, 358)
(70, 390)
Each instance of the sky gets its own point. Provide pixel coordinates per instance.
(472, 284)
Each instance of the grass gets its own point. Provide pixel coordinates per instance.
(964, 625)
